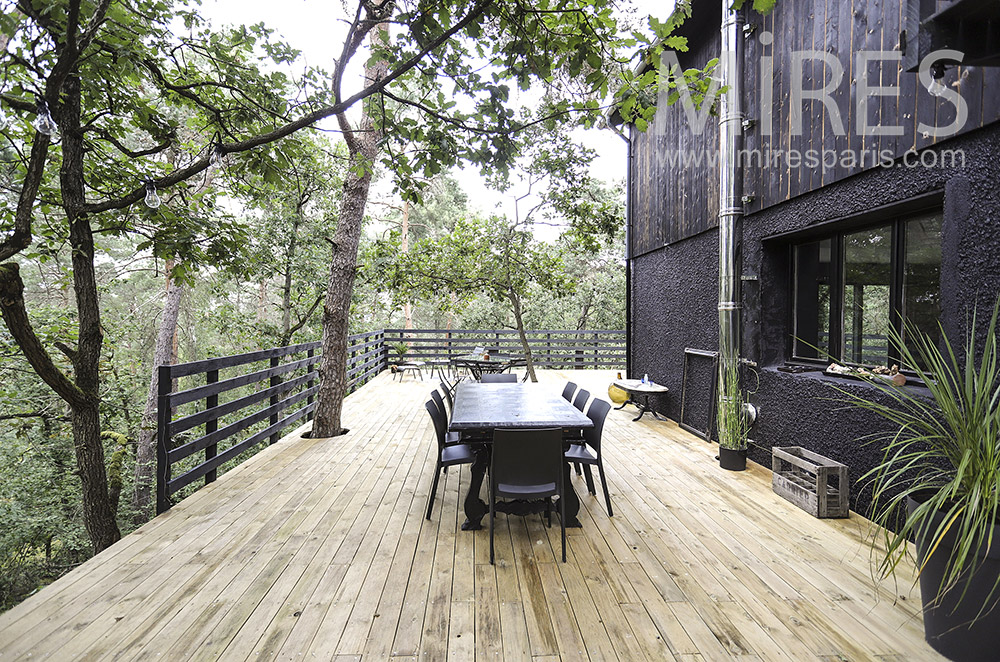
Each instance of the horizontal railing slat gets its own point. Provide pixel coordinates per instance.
(199, 392)
(231, 452)
(201, 443)
(195, 367)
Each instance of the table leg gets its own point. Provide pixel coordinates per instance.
(475, 508)
(625, 404)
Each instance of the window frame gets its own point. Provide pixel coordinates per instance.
(897, 267)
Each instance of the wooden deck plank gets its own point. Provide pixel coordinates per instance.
(319, 549)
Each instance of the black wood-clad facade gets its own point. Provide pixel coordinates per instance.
(673, 245)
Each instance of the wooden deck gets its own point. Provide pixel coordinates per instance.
(319, 550)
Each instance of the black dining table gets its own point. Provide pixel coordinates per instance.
(482, 408)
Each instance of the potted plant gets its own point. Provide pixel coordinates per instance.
(938, 483)
(401, 349)
(733, 419)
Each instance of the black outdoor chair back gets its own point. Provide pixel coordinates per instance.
(439, 401)
(448, 396)
(504, 378)
(597, 413)
(437, 416)
(568, 391)
(528, 465)
(580, 401)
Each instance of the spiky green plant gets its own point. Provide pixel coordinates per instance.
(943, 450)
(733, 422)
(401, 348)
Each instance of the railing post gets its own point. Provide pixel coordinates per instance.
(162, 439)
(275, 380)
(309, 368)
(212, 376)
(596, 355)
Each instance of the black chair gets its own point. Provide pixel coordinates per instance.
(527, 465)
(449, 437)
(447, 454)
(501, 378)
(568, 391)
(580, 401)
(449, 396)
(581, 453)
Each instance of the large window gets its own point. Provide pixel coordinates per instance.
(850, 288)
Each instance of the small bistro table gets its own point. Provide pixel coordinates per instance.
(483, 408)
(637, 389)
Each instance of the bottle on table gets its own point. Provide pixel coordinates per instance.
(645, 378)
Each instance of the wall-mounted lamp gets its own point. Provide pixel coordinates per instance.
(936, 87)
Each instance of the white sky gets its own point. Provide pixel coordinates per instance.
(317, 27)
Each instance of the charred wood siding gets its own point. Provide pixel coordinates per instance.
(674, 199)
(845, 29)
(674, 172)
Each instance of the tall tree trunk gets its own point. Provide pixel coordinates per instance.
(405, 246)
(286, 287)
(98, 517)
(515, 302)
(363, 146)
(145, 452)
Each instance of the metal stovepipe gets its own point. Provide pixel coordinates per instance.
(730, 190)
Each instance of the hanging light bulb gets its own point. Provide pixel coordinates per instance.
(43, 121)
(215, 159)
(152, 199)
(936, 87)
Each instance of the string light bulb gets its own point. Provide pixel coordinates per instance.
(215, 159)
(43, 121)
(936, 87)
(152, 199)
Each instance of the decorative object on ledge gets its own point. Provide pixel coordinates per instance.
(891, 375)
(804, 478)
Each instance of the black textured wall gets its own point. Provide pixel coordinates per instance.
(674, 293)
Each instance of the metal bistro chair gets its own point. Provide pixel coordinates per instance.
(501, 378)
(447, 454)
(527, 465)
(581, 453)
(568, 391)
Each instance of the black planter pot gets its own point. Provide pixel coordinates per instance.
(733, 460)
(948, 623)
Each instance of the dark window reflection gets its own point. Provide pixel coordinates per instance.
(922, 276)
(813, 280)
(867, 282)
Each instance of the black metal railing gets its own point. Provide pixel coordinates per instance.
(581, 350)
(198, 435)
(277, 385)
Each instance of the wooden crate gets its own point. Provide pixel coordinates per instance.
(816, 484)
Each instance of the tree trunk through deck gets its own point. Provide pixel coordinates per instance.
(515, 302)
(145, 453)
(363, 146)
